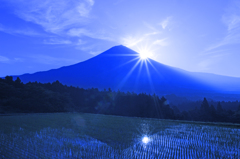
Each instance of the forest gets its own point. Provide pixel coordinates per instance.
(35, 97)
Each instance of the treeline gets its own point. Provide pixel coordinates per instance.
(34, 97)
(184, 103)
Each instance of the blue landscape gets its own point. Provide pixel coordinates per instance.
(122, 79)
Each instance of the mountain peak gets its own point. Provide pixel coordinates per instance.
(120, 68)
(120, 46)
(120, 49)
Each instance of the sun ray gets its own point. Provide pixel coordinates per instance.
(129, 73)
(137, 58)
(151, 85)
(149, 76)
(122, 54)
(139, 71)
(140, 68)
(143, 61)
(155, 68)
(159, 73)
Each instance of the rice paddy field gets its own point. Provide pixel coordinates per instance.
(74, 135)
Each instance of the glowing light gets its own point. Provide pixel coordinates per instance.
(143, 59)
(145, 140)
(131, 41)
(144, 54)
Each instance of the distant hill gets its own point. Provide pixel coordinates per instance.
(120, 68)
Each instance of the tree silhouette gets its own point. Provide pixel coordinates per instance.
(9, 80)
(205, 105)
(219, 108)
(18, 83)
(238, 108)
(35, 97)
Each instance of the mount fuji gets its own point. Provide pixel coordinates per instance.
(121, 68)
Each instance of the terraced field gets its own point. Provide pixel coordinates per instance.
(73, 135)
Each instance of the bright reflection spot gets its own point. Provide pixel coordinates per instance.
(145, 140)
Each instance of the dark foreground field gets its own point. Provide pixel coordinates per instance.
(73, 135)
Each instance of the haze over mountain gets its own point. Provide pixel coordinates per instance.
(121, 68)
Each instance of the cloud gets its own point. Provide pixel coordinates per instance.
(83, 10)
(54, 15)
(161, 42)
(86, 48)
(91, 2)
(18, 59)
(152, 33)
(4, 59)
(49, 60)
(231, 19)
(149, 39)
(131, 41)
(116, 2)
(149, 26)
(207, 63)
(212, 52)
(64, 20)
(154, 30)
(27, 31)
(80, 32)
(54, 41)
(95, 52)
(80, 42)
(165, 22)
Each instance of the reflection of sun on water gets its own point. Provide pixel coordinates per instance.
(145, 140)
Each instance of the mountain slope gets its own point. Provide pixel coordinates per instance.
(121, 68)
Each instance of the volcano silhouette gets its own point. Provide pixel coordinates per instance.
(121, 68)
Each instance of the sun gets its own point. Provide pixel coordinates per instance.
(144, 54)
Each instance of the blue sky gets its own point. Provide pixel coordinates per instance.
(198, 36)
